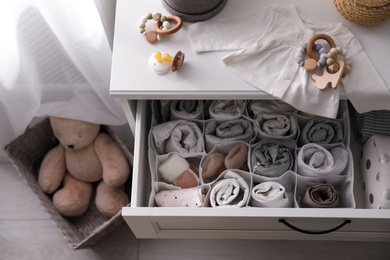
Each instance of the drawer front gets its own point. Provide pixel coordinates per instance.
(255, 223)
(239, 223)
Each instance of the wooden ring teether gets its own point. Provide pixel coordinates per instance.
(315, 38)
(170, 31)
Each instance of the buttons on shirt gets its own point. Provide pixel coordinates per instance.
(287, 76)
(307, 39)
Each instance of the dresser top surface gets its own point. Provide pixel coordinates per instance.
(203, 75)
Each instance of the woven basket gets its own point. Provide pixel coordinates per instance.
(26, 153)
(364, 12)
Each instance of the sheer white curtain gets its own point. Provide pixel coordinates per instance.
(55, 59)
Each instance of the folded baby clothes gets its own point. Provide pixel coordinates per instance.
(320, 195)
(187, 109)
(230, 191)
(375, 170)
(271, 194)
(273, 157)
(321, 130)
(179, 136)
(177, 171)
(227, 109)
(193, 197)
(317, 161)
(276, 126)
(232, 130)
(262, 55)
(256, 107)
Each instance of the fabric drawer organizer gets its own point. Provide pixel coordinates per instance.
(291, 159)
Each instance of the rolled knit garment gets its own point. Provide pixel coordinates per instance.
(232, 130)
(227, 109)
(256, 107)
(179, 136)
(319, 195)
(193, 197)
(316, 161)
(321, 130)
(276, 126)
(187, 109)
(271, 194)
(231, 191)
(273, 157)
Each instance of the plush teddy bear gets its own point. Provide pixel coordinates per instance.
(84, 155)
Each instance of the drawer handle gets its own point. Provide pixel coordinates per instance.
(314, 232)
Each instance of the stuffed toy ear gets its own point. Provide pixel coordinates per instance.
(237, 156)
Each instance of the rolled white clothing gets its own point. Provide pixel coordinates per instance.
(231, 191)
(271, 194)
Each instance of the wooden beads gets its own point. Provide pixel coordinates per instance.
(162, 27)
(310, 64)
(151, 36)
(333, 65)
(167, 31)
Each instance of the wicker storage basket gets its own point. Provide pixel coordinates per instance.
(364, 12)
(26, 153)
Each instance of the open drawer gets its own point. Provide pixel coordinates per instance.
(245, 223)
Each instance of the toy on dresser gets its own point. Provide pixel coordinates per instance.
(84, 156)
(334, 66)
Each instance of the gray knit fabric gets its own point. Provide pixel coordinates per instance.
(317, 161)
(273, 157)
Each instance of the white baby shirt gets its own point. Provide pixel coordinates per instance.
(264, 45)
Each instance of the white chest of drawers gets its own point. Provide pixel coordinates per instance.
(203, 76)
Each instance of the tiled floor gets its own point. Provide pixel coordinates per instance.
(27, 232)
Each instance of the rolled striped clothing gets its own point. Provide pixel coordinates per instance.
(370, 123)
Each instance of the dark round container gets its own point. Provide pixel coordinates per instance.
(194, 10)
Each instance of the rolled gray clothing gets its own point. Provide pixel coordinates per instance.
(273, 157)
(317, 161)
(187, 109)
(179, 136)
(233, 130)
(227, 109)
(321, 130)
(256, 107)
(276, 126)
